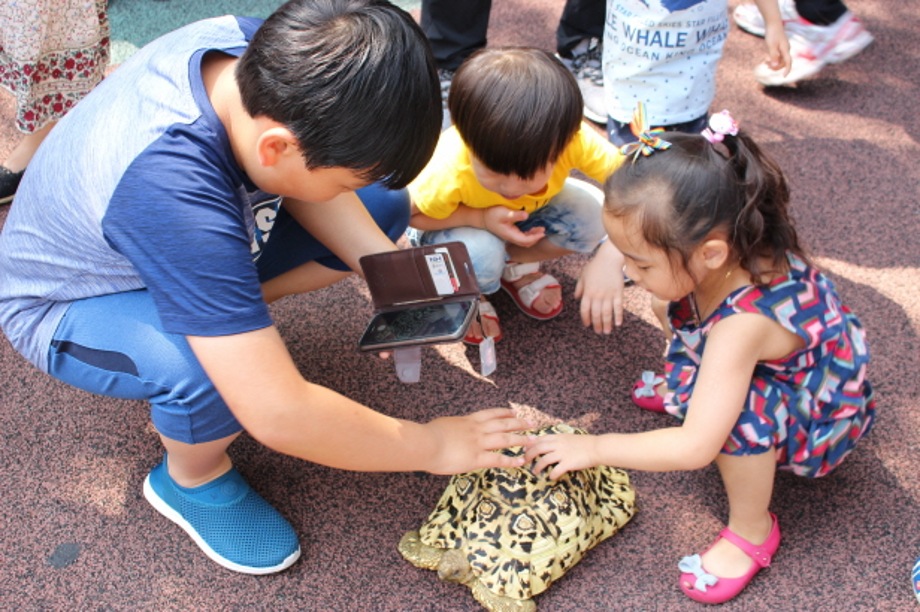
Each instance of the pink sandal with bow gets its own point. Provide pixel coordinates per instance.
(699, 585)
(645, 393)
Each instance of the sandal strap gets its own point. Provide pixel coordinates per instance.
(531, 291)
(760, 554)
(487, 310)
(516, 271)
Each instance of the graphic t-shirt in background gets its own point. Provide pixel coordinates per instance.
(663, 53)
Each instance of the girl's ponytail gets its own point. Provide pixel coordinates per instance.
(763, 226)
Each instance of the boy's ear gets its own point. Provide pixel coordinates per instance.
(714, 253)
(274, 143)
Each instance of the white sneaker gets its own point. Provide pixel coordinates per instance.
(813, 47)
(586, 65)
(749, 19)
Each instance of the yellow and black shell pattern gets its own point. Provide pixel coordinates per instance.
(521, 532)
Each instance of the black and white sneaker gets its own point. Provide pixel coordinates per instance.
(9, 183)
(586, 64)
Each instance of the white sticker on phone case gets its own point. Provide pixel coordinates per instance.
(439, 266)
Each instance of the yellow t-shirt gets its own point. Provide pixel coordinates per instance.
(448, 180)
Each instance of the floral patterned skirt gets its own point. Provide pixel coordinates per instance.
(52, 53)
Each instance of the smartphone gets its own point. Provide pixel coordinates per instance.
(420, 324)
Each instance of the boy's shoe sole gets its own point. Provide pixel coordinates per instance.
(232, 521)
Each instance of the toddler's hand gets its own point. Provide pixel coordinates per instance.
(564, 452)
(600, 289)
(468, 442)
(501, 222)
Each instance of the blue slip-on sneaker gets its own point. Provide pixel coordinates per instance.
(229, 521)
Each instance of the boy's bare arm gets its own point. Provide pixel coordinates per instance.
(257, 378)
(344, 225)
(499, 220)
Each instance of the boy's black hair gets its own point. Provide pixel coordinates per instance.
(516, 108)
(693, 188)
(353, 80)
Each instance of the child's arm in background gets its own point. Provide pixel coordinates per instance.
(733, 348)
(778, 56)
(600, 288)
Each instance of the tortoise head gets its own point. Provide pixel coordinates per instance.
(454, 567)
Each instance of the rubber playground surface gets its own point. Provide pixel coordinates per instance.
(78, 534)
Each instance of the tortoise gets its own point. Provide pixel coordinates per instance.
(508, 534)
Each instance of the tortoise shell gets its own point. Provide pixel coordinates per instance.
(521, 532)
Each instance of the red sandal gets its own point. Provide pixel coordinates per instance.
(526, 295)
(701, 586)
(486, 311)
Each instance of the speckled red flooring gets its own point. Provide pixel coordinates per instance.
(76, 533)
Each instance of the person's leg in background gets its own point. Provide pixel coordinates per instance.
(821, 32)
(579, 38)
(455, 30)
(45, 35)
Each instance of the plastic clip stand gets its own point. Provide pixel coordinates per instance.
(408, 363)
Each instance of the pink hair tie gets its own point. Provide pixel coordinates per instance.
(720, 124)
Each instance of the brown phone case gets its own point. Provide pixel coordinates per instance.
(413, 291)
(398, 279)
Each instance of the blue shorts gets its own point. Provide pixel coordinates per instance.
(115, 345)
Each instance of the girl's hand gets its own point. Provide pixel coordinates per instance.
(501, 222)
(467, 443)
(569, 452)
(600, 288)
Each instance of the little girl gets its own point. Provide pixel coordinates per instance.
(765, 369)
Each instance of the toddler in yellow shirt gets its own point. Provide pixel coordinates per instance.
(499, 181)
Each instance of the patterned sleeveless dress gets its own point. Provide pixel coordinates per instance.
(813, 406)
